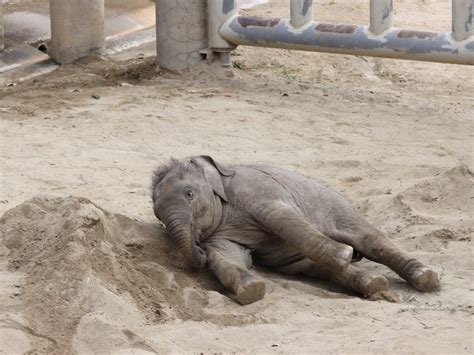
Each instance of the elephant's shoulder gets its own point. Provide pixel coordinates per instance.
(250, 183)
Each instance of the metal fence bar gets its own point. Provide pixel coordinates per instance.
(227, 29)
(462, 13)
(219, 11)
(381, 16)
(348, 39)
(301, 12)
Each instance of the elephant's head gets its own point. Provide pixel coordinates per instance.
(187, 197)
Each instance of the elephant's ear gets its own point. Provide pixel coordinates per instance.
(213, 172)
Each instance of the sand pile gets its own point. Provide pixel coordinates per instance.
(448, 193)
(81, 260)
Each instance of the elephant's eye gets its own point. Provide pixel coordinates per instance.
(189, 194)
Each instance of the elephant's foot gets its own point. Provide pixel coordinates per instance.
(424, 280)
(341, 260)
(374, 284)
(250, 292)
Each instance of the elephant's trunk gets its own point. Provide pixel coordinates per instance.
(179, 225)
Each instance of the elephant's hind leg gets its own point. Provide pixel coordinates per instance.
(286, 222)
(359, 281)
(353, 279)
(375, 246)
(230, 262)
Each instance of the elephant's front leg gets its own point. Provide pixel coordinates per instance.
(230, 262)
(288, 223)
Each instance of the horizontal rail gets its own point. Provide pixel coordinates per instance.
(348, 39)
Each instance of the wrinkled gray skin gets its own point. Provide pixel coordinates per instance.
(226, 217)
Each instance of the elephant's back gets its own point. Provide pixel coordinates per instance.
(301, 188)
(322, 206)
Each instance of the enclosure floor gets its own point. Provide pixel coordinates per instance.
(395, 137)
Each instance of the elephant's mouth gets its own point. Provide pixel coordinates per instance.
(201, 256)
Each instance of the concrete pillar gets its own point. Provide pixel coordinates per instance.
(77, 29)
(181, 33)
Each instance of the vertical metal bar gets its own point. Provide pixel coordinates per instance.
(219, 11)
(381, 16)
(462, 12)
(2, 44)
(301, 12)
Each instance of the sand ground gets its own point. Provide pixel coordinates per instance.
(95, 272)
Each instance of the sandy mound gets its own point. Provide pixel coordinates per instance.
(431, 212)
(449, 193)
(79, 259)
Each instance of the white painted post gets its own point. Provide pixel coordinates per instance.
(77, 29)
(301, 12)
(219, 11)
(180, 33)
(381, 16)
(462, 13)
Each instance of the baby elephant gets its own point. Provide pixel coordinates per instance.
(226, 217)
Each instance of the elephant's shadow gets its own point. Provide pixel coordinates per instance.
(206, 281)
(159, 248)
(329, 290)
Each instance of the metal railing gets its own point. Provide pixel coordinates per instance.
(301, 32)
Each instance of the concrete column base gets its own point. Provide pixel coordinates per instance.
(181, 33)
(77, 29)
